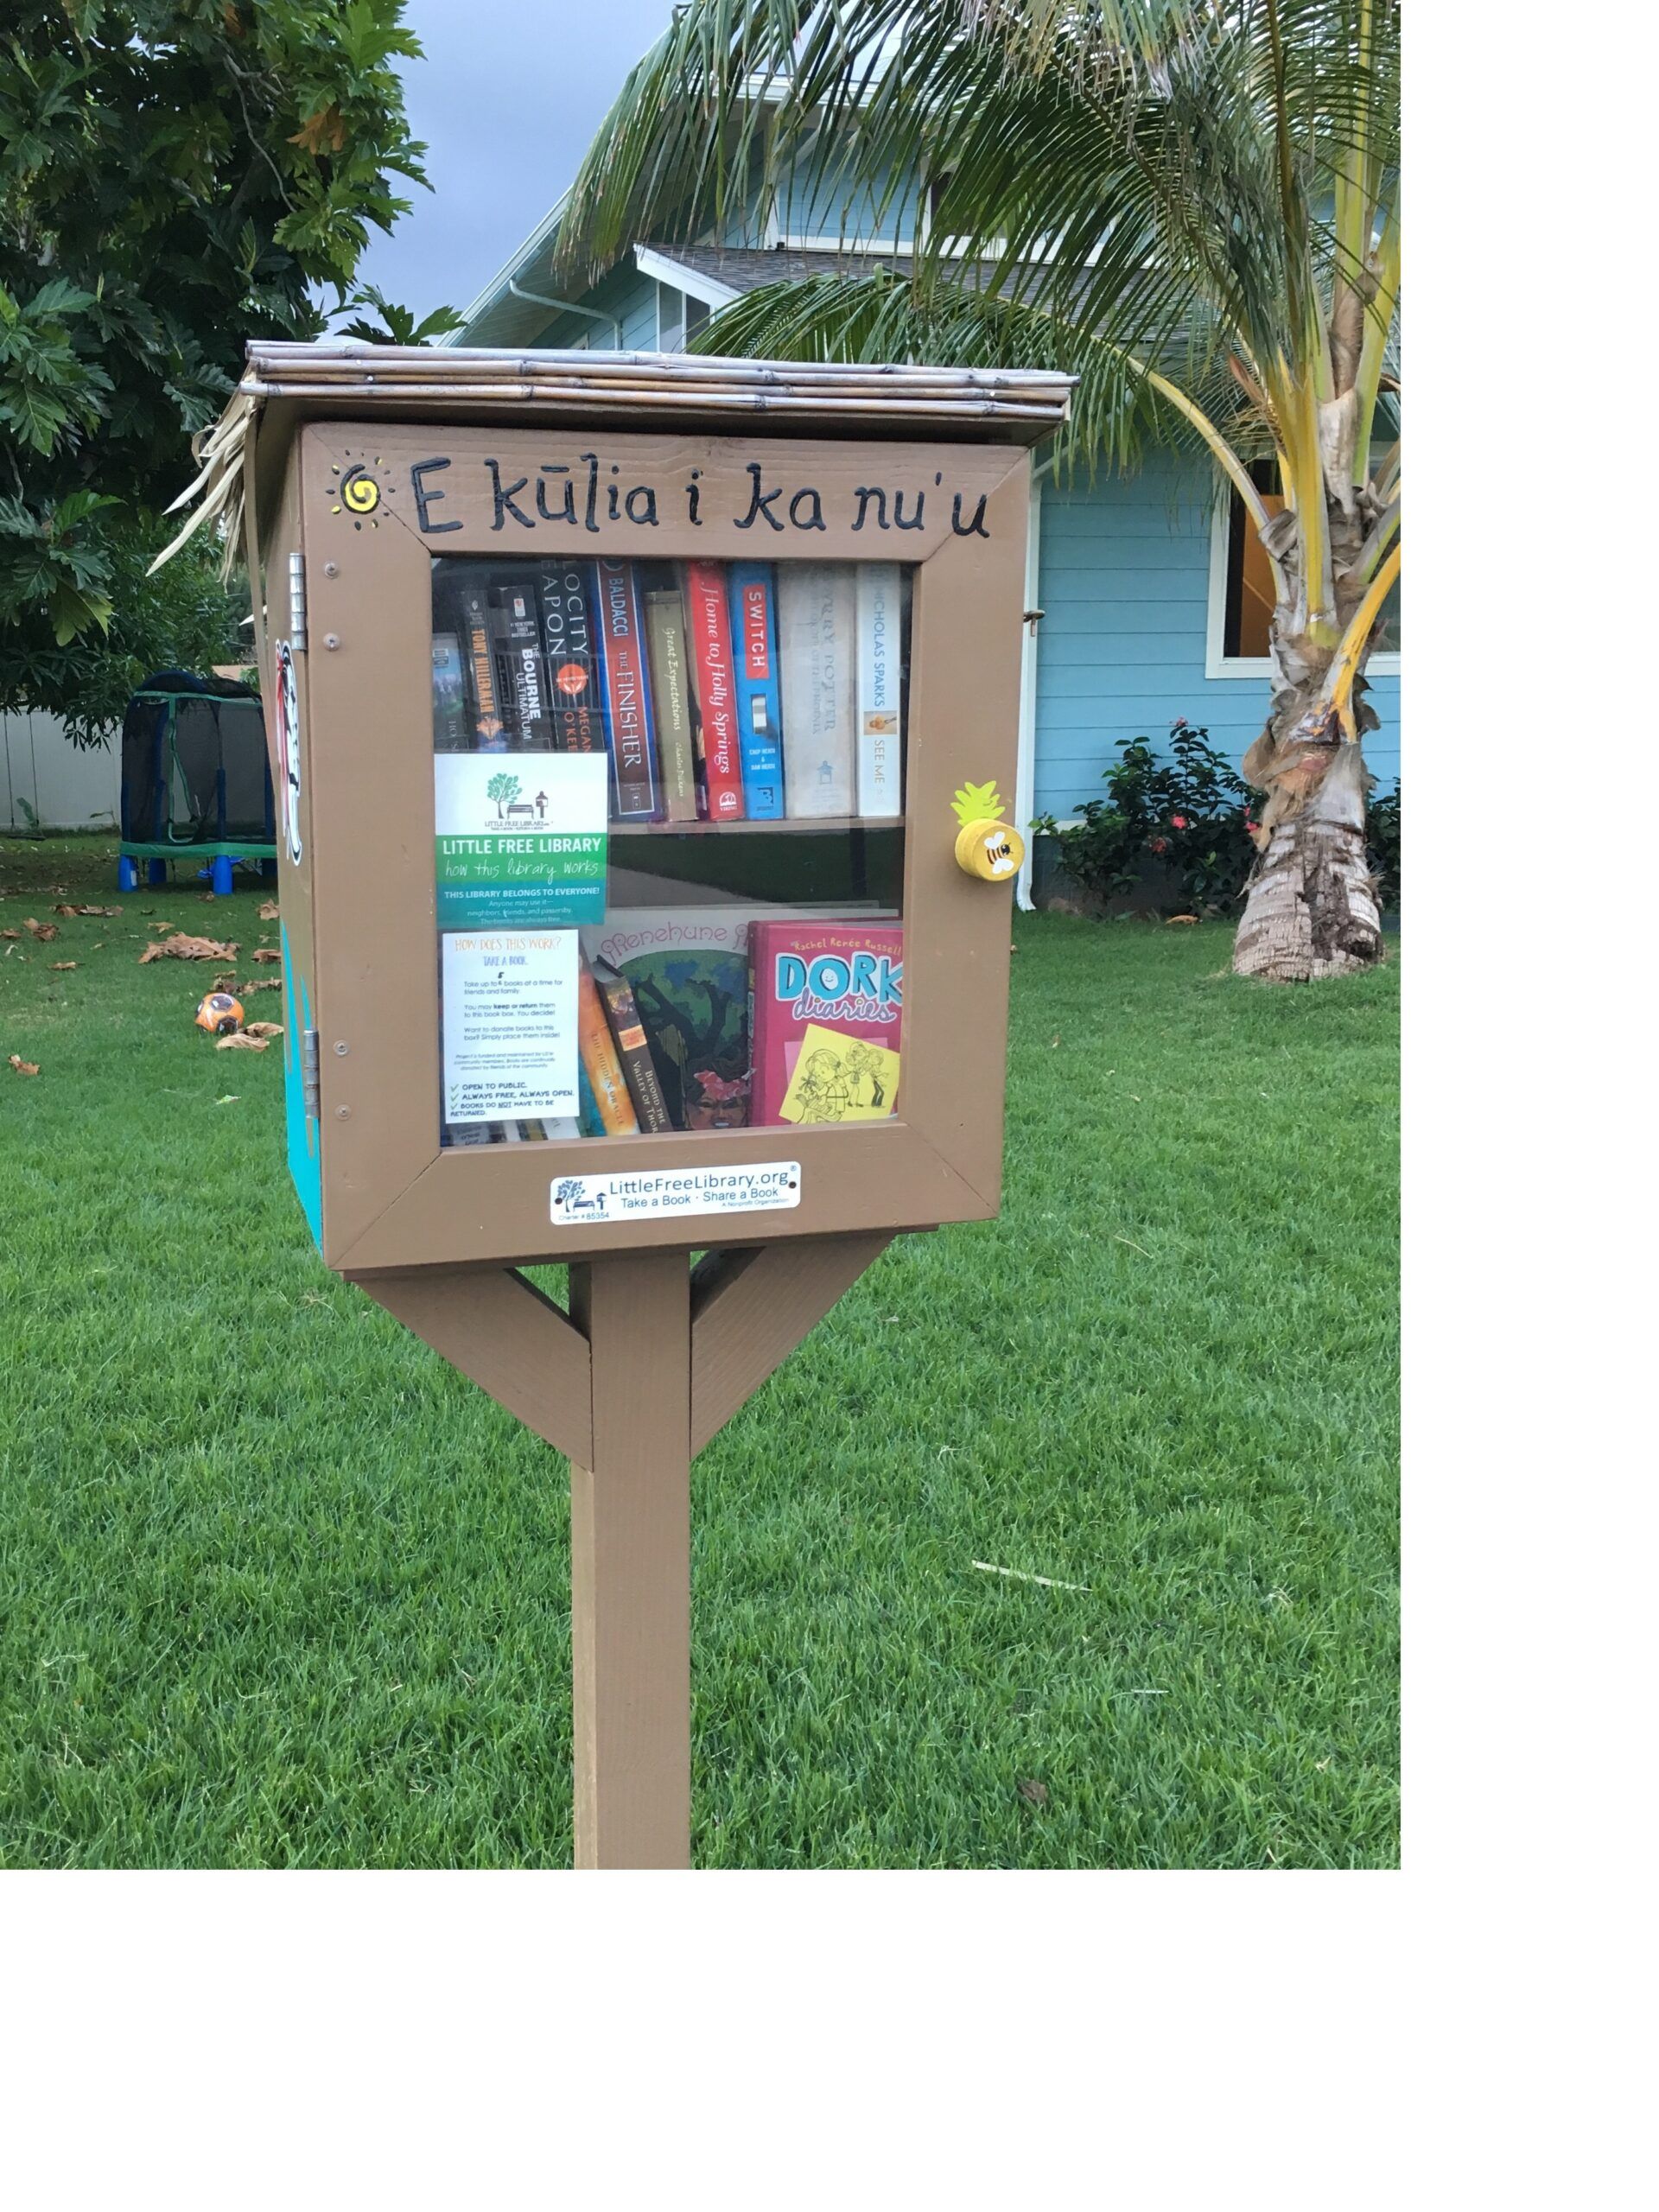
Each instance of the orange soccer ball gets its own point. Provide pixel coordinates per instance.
(221, 1015)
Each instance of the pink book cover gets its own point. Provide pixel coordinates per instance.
(710, 630)
(843, 982)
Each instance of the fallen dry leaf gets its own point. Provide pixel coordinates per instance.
(25, 1067)
(45, 931)
(266, 952)
(1180, 921)
(240, 1041)
(1035, 1793)
(270, 911)
(187, 948)
(260, 983)
(58, 965)
(264, 1028)
(85, 910)
(10, 932)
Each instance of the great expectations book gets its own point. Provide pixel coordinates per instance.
(714, 688)
(880, 707)
(824, 1024)
(568, 648)
(487, 732)
(817, 615)
(521, 686)
(754, 650)
(689, 970)
(625, 693)
(628, 1030)
(671, 700)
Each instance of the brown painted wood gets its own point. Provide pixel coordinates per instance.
(513, 1342)
(751, 1308)
(631, 1564)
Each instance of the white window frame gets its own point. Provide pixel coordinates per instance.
(1251, 668)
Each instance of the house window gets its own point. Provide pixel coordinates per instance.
(1241, 590)
(679, 318)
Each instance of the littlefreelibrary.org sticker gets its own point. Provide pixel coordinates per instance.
(649, 1195)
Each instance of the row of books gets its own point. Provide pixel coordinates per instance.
(723, 691)
(697, 1018)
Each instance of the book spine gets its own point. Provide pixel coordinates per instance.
(881, 709)
(651, 1107)
(448, 694)
(671, 699)
(521, 672)
(816, 619)
(598, 1053)
(754, 648)
(568, 643)
(625, 692)
(488, 734)
(717, 688)
(763, 1104)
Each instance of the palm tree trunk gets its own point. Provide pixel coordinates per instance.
(1311, 907)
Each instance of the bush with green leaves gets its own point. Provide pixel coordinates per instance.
(1176, 824)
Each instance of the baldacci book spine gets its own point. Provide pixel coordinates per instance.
(818, 614)
(520, 672)
(754, 648)
(488, 734)
(568, 646)
(710, 630)
(625, 692)
(650, 1109)
(880, 726)
(596, 1048)
(671, 699)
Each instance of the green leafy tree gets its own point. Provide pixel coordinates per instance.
(175, 176)
(1192, 205)
(503, 790)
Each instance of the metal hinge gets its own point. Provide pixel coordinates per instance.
(311, 1076)
(296, 601)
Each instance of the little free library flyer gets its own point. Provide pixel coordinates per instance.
(509, 1019)
(521, 839)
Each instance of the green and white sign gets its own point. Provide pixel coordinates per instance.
(522, 839)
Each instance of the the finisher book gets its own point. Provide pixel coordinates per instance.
(625, 692)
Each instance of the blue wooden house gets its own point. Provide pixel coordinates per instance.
(1154, 598)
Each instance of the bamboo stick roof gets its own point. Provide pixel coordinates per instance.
(285, 384)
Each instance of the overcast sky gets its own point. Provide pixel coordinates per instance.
(507, 97)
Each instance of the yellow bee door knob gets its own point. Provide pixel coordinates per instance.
(990, 850)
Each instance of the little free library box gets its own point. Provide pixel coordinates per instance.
(642, 730)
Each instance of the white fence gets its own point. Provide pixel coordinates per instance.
(47, 783)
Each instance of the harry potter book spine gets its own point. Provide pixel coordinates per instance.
(625, 692)
(717, 688)
(649, 1105)
(671, 699)
(597, 1049)
(567, 643)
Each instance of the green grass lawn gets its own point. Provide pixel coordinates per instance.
(278, 1588)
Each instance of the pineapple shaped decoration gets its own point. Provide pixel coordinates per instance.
(986, 846)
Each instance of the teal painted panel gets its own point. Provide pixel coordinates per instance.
(1125, 589)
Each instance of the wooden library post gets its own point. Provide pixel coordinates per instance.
(640, 726)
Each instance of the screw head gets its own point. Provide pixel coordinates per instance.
(342, 1048)
(332, 642)
(331, 568)
(342, 1113)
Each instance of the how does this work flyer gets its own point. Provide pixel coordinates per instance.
(521, 840)
(510, 1013)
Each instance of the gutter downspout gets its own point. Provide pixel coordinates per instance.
(1025, 774)
(566, 306)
